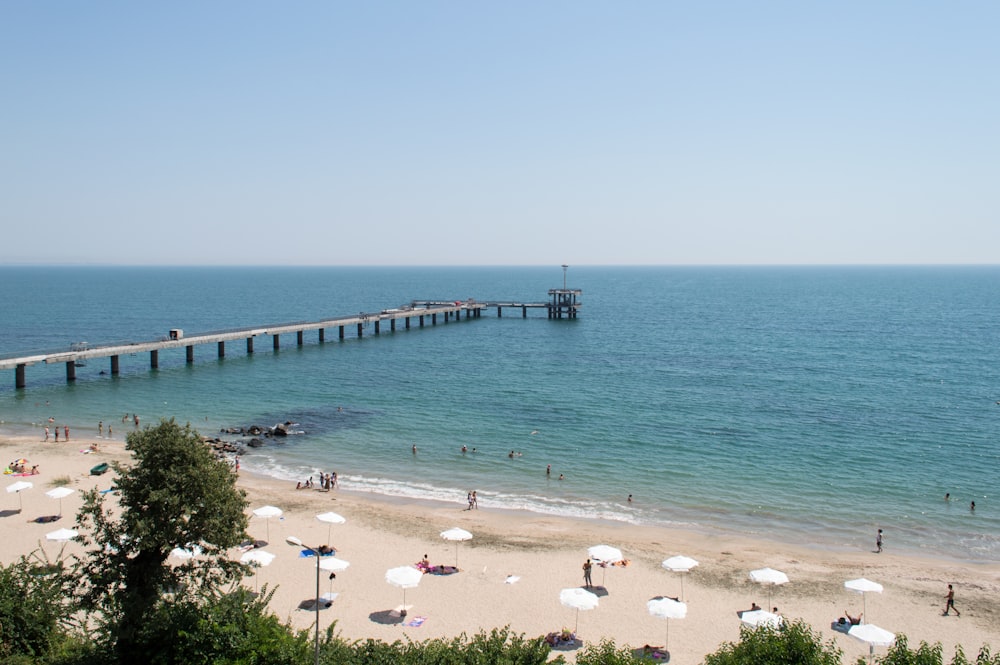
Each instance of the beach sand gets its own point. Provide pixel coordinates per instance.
(546, 554)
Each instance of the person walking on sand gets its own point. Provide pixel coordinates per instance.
(587, 567)
(46, 433)
(878, 542)
(950, 604)
(100, 428)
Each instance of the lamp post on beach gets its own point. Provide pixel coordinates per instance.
(292, 540)
(564, 276)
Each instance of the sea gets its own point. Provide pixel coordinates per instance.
(807, 405)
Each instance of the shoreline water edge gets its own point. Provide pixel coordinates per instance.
(513, 568)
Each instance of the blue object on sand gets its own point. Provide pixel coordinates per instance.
(309, 553)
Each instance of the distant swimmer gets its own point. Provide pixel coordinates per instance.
(465, 449)
(414, 449)
(535, 431)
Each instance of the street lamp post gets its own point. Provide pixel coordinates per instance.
(292, 540)
(564, 276)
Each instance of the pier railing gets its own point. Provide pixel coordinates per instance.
(422, 311)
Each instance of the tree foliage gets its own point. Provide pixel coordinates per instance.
(794, 643)
(497, 647)
(930, 654)
(34, 611)
(175, 494)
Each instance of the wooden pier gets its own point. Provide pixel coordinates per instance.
(564, 304)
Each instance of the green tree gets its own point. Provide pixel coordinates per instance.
(34, 611)
(930, 654)
(174, 494)
(794, 643)
(607, 653)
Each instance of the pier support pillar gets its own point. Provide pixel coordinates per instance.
(434, 319)
(276, 341)
(249, 345)
(341, 332)
(499, 311)
(222, 349)
(322, 335)
(19, 376)
(154, 359)
(392, 325)
(407, 323)
(524, 312)
(377, 326)
(71, 370)
(421, 320)
(190, 353)
(360, 331)
(298, 338)
(114, 365)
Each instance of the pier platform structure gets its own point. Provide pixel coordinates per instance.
(422, 311)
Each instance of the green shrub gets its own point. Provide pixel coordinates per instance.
(793, 643)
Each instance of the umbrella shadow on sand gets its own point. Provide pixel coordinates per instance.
(387, 617)
(310, 604)
(46, 519)
(597, 590)
(9, 513)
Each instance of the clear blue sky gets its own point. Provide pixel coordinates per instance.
(455, 133)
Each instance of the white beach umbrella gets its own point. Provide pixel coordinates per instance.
(17, 488)
(185, 554)
(873, 636)
(61, 535)
(456, 535)
(60, 493)
(756, 618)
(667, 608)
(257, 558)
(770, 578)
(578, 599)
(680, 564)
(864, 587)
(404, 577)
(331, 519)
(605, 555)
(267, 512)
(332, 564)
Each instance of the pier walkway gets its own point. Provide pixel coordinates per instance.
(423, 311)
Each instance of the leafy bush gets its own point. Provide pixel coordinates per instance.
(33, 607)
(606, 653)
(794, 643)
(498, 647)
(927, 654)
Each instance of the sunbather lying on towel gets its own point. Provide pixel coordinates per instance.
(442, 570)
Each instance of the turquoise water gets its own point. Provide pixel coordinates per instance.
(809, 405)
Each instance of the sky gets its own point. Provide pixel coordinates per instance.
(499, 133)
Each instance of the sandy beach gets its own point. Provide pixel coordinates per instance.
(546, 555)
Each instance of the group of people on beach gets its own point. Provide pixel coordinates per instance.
(327, 481)
(55, 428)
(473, 500)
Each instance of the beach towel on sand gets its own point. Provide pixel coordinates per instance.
(308, 553)
(416, 622)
